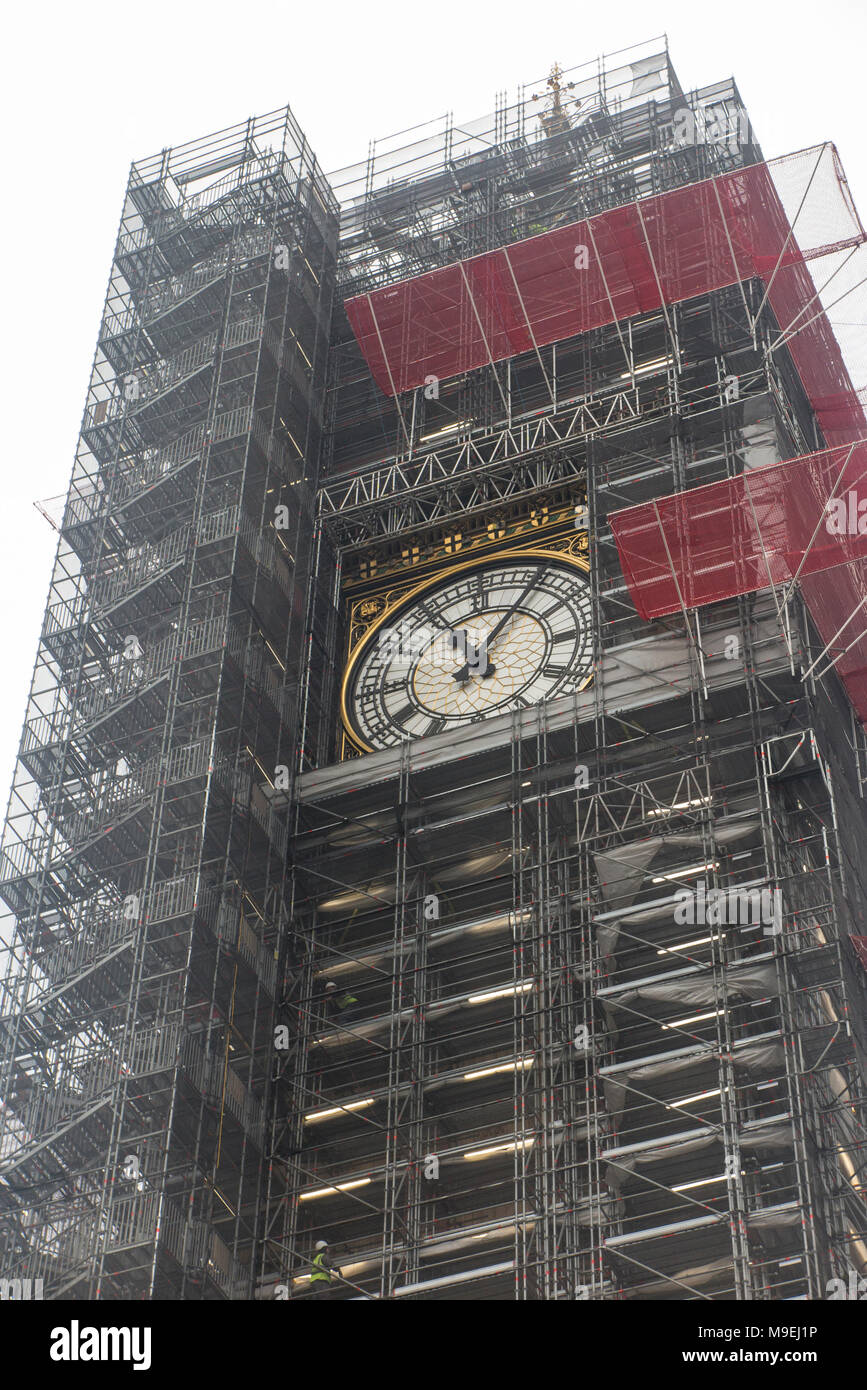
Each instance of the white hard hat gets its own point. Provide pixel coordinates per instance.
(331, 985)
(321, 1245)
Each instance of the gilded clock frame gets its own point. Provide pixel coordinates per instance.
(571, 550)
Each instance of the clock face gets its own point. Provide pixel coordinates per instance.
(493, 637)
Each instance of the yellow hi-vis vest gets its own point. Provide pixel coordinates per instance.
(320, 1271)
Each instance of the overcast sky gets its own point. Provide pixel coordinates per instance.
(91, 86)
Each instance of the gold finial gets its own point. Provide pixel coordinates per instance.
(555, 118)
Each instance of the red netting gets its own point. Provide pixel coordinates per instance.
(732, 537)
(763, 527)
(629, 261)
(834, 600)
(816, 353)
(767, 525)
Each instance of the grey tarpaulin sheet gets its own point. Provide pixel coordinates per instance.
(773, 1217)
(753, 1057)
(621, 872)
(751, 982)
(607, 1209)
(776, 1135)
(694, 1276)
(608, 933)
(757, 1056)
(620, 1169)
(771, 1136)
(615, 1089)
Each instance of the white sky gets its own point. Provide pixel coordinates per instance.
(92, 85)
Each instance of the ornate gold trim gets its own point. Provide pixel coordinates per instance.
(366, 611)
(516, 520)
(567, 548)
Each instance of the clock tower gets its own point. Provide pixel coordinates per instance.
(513, 1072)
(436, 844)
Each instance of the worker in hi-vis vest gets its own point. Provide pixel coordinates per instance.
(323, 1274)
(342, 1004)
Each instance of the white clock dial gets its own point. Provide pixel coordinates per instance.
(493, 637)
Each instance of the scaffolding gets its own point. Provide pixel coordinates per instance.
(144, 856)
(265, 988)
(553, 1072)
(547, 1087)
